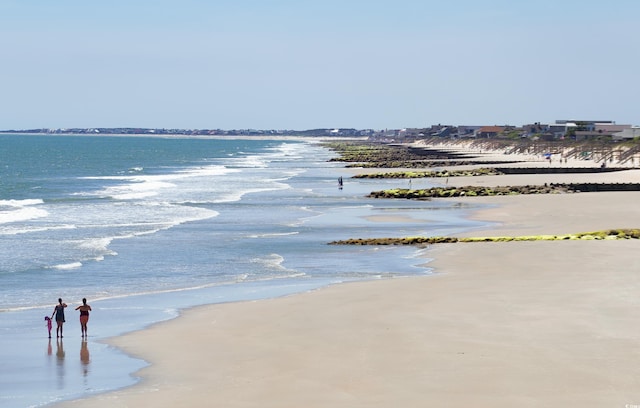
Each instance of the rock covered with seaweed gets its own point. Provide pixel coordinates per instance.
(611, 234)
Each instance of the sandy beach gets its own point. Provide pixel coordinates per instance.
(514, 324)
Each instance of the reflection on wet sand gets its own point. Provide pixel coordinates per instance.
(85, 357)
(60, 351)
(60, 363)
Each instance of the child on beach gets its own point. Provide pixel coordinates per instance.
(48, 320)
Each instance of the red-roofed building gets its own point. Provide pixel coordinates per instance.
(489, 131)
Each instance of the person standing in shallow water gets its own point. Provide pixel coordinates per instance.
(84, 309)
(58, 312)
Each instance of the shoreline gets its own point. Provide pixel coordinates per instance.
(497, 324)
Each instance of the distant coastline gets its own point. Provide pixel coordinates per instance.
(136, 131)
(188, 136)
(576, 130)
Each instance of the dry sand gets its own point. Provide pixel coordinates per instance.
(517, 324)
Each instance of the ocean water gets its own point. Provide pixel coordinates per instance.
(146, 226)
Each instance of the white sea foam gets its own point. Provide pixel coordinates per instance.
(97, 245)
(304, 220)
(132, 196)
(232, 196)
(273, 235)
(271, 260)
(21, 213)
(20, 203)
(23, 229)
(72, 265)
(273, 263)
(214, 170)
(290, 150)
(139, 187)
(251, 161)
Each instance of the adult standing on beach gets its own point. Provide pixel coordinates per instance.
(58, 312)
(84, 309)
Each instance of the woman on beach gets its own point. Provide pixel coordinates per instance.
(84, 309)
(58, 312)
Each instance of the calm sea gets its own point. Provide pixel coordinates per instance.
(145, 226)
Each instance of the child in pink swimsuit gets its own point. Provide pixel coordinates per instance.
(48, 320)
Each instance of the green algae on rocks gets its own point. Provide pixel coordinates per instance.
(432, 174)
(472, 191)
(611, 234)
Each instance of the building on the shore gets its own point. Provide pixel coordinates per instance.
(574, 129)
(486, 132)
(542, 131)
(467, 131)
(560, 130)
(627, 134)
(600, 130)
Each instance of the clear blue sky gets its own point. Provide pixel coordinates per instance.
(285, 64)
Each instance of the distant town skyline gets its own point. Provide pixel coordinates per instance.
(285, 64)
(558, 128)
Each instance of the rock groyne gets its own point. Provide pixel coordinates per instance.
(474, 191)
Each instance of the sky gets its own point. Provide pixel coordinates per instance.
(285, 64)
